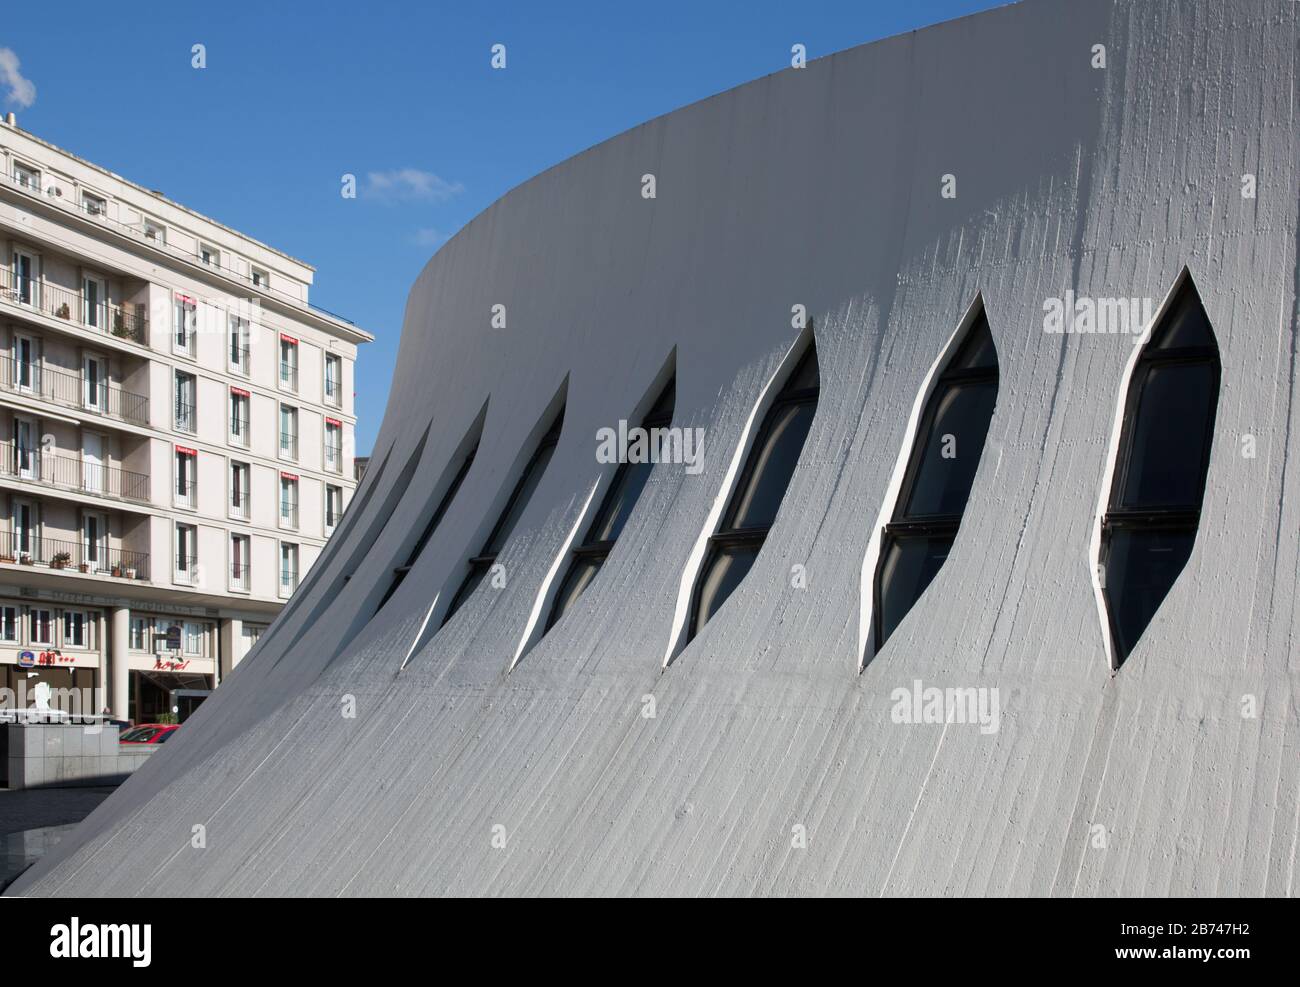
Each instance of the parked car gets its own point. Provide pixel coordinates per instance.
(148, 733)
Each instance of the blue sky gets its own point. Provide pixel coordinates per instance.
(295, 95)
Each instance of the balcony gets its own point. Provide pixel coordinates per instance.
(289, 445)
(334, 457)
(30, 549)
(288, 581)
(288, 376)
(72, 473)
(288, 513)
(186, 494)
(239, 359)
(239, 504)
(69, 390)
(128, 322)
(239, 576)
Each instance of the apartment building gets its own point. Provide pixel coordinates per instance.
(176, 424)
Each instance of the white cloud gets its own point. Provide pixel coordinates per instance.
(409, 184)
(22, 91)
(428, 237)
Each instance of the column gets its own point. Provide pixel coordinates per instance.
(120, 689)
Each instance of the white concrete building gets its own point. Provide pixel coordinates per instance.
(176, 424)
(740, 679)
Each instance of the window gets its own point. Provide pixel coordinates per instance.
(754, 505)
(1160, 469)
(155, 232)
(615, 509)
(186, 389)
(94, 205)
(28, 178)
(240, 401)
(239, 558)
(288, 568)
(94, 541)
(26, 362)
(94, 302)
(937, 484)
(481, 564)
(9, 624)
(333, 506)
(260, 278)
(76, 629)
(140, 633)
(399, 574)
(94, 382)
(194, 638)
(288, 363)
(184, 324)
(288, 432)
(239, 503)
(288, 500)
(239, 345)
(42, 627)
(333, 379)
(27, 279)
(333, 445)
(209, 255)
(186, 476)
(187, 557)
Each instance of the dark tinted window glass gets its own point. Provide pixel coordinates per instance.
(806, 375)
(947, 466)
(620, 500)
(1186, 325)
(581, 573)
(536, 470)
(726, 569)
(1170, 436)
(1140, 570)
(909, 565)
(978, 351)
(773, 466)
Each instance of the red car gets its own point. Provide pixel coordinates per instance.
(148, 733)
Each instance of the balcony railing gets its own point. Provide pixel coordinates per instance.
(239, 576)
(288, 581)
(185, 417)
(289, 514)
(334, 458)
(127, 321)
(288, 376)
(186, 495)
(289, 445)
(99, 214)
(71, 390)
(239, 504)
(71, 473)
(187, 569)
(32, 549)
(333, 392)
(239, 358)
(239, 430)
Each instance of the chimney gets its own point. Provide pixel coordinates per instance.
(11, 119)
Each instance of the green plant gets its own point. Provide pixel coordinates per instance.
(60, 559)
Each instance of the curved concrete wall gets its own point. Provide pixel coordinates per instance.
(818, 187)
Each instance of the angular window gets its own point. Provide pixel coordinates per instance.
(435, 519)
(757, 498)
(481, 564)
(938, 480)
(616, 508)
(1160, 469)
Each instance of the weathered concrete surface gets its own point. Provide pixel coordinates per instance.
(819, 187)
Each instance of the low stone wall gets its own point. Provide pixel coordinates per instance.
(60, 755)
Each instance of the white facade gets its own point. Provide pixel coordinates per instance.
(176, 431)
